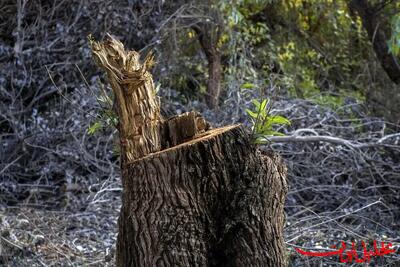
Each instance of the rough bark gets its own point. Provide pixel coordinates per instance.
(202, 196)
(212, 201)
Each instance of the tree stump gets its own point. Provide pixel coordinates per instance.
(192, 195)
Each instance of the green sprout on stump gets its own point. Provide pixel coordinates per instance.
(263, 123)
(106, 116)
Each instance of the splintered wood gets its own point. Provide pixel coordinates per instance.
(137, 105)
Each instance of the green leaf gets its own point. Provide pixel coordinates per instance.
(256, 104)
(271, 121)
(251, 113)
(278, 120)
(261, 140)
(104, 99)
(260, 107)
(264, 105)
(158, 86)
(247, 86)
(94, 127)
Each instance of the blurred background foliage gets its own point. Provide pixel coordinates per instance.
(314, 49)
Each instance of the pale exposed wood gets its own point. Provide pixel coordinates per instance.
(138, 107)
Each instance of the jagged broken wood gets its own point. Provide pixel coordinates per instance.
(192, 195)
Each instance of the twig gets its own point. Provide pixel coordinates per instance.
(336, 218)
(295, 137)
(10, 164)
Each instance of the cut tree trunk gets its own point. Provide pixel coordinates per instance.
(196, 196)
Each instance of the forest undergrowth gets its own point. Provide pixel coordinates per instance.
(341, 190)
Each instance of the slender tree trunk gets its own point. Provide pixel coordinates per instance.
(208, 43)
(192, 195)
(382, 102)
(375, 28)
(214, 80)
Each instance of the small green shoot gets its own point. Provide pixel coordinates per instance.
(94, 127)
(263, 123)
(106, 116)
